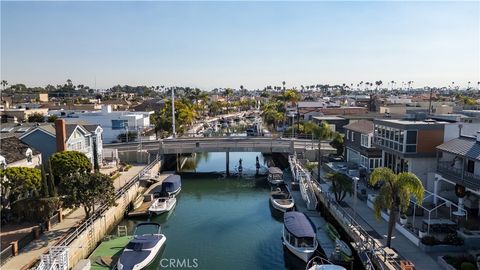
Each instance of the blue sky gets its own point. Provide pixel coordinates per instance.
(226, 44)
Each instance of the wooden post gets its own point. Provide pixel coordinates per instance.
(14, 248)
(228, 163)
(60, 214)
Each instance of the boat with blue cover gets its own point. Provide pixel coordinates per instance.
(299, 235)
(172, 185)
(143, 248)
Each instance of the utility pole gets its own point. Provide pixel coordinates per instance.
(430, 101)
(173, 114)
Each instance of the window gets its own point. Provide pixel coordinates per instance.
(411, 137)
(119, 124)
(365, 140)
(87, 141)
(353, 136)
(348, 134)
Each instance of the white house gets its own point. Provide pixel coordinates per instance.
(113, 123)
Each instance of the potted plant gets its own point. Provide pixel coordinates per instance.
(403, 219)
(422, 233)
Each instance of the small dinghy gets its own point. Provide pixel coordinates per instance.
(143, 248)
(331, 231)
(345, 251)
(162, 205)
(281, 199)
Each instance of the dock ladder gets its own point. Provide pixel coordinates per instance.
(122, 230)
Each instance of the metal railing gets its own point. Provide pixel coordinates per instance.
(458, 175)
(75, 232)
(363, 241)
(6, 254)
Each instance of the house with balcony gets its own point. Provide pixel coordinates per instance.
(113, 123)
(359, 147)
(458, 166)
(49, 139)
(409, 145)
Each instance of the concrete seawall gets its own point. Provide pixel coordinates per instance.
(87, 241)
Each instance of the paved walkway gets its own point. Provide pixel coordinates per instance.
(366, 218)
(32, 251)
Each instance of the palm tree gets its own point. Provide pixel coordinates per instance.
(227, 93)
(283, 85)
(4, 84)
(395, 194)
(341, 185)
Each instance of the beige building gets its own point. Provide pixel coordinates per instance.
(20, 114)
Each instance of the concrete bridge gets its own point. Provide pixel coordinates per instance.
(223, 144)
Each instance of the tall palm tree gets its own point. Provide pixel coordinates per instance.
(228, 92)
(4, 84)
(395, 194)
(283, 83)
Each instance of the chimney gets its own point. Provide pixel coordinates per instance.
(61, 134)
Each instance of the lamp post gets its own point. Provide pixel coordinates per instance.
(174, 133)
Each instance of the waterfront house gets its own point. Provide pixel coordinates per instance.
(15, 153)
(49, 139)
(409, 145)
(359, 147)
(113, 123)
(458, 166)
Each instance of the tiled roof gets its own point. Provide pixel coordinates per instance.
(463, 146)
(12, 149)
(362, 126)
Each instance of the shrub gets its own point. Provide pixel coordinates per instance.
(459, 260)
(453, 239)
(467, 266)
(430, 240)
(36, 209)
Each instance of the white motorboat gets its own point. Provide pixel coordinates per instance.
(299, 235)
(281, 199)
(162, 205)
(143, 248)
(275, 175)
(319, 263)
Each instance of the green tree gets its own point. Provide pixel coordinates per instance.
(18, 182)
(36, 118)
(395, 194)
(338, 143)
(228, 93)
(291, 96)
(129, 136)
(66, 163)
(52, 118)
(87, 190)
(341, 185)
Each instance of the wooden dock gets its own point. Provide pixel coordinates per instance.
(142, 210)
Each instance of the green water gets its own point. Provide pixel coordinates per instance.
(223, 223)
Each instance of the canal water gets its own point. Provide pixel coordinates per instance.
(222, 222)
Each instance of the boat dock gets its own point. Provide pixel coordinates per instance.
(142, 209)
(325, 242)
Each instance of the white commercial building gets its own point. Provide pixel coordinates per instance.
(113, 123)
